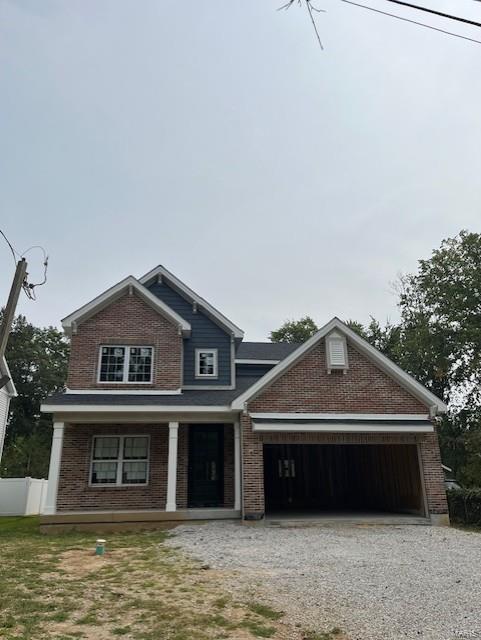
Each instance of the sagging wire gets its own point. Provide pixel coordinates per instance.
(28, 287)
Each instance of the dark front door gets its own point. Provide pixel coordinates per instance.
(206, 465)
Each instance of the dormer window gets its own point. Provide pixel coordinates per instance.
(206, 363)
(336, 352)
(122, 364)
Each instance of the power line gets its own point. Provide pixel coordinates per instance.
(419, 24)
(14, 253)
(28, 287)
(436, 13)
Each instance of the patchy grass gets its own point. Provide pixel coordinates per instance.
(466, 527)
(264, 611)
(334, 634)
(141, 589)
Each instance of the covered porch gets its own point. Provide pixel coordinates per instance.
(127, 471)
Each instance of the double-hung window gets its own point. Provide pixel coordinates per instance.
(120, 460)
(206, 363)
(125, 364)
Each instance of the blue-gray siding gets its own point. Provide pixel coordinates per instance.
(206, 334)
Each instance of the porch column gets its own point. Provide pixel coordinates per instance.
(172, 467)
(50, 507)
(237, 467)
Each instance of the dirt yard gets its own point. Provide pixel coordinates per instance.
(142, 589)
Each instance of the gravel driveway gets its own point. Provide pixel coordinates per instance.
(373, 582)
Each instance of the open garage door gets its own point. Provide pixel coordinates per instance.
(351, 478)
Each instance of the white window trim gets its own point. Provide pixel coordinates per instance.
(198, 375)
(119, 460)
(127, 348)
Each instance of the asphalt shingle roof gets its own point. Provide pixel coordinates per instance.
(202, 397)
(265, 350)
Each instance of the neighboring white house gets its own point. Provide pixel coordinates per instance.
(6, 394)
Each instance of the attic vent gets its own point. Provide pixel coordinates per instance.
(336, 352)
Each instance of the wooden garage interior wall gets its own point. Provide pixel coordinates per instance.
(382, 477)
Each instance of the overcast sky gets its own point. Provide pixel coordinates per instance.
(216, 138)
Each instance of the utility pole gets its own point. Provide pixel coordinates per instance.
(9, 313)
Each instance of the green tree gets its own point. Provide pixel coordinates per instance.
(386, 339)
(442, 303)
(441, 317)
(296, 331)
(37, 358)
(437, 341)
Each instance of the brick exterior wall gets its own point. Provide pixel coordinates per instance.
(433, 474)
(75, 494)
(130, 321)
(308, 388)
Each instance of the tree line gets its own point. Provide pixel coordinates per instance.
(437, 340)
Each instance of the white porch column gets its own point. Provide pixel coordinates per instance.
(50, 507)
(237, 467)
(172, 467)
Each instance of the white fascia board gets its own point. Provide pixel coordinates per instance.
(250, 361)
(144, 408)
(106, 297)
(124, 392)
(194, 297)
(404, 417)
(10, 386)
(320, 427)
(391, 369)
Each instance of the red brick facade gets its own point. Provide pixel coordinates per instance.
(364, 388)
(304, 388)
(308, 388)
(75, 494)
(130, 321)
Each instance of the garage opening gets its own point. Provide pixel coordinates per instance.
(376, 478)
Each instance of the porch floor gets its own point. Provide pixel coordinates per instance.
(141, 519)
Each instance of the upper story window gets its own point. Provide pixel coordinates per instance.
(206, 363)
(120, 460)
(125, 364)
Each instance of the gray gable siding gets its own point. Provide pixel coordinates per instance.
(206, 334)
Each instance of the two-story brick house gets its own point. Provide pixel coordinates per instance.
(169, 415)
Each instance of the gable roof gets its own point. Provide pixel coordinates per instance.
(187, 292)
(401, 377)
(107, 297)
(5, 371)
(265, 350)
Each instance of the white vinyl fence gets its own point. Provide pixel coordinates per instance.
(22, 496)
